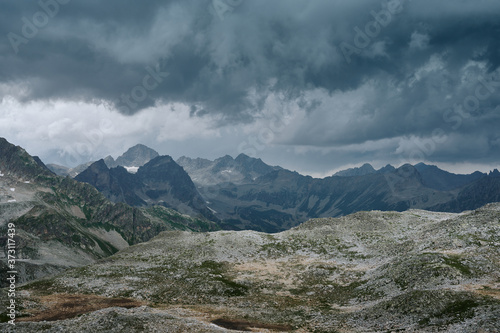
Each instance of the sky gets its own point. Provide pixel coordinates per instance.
(314, 86)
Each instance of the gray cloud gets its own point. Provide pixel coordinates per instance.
(400, 83)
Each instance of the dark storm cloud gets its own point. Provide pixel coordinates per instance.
(227, 60)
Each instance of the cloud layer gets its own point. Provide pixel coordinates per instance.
(411, 79)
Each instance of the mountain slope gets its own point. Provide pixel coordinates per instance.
(135, 156)
(61, 170)
(283, 199)
(241, 170)
(474, 195)
(441, 180)
(363, 170)
(246, 193)
(415, 271)
(116, 184)
(160, 181)
(62, 223)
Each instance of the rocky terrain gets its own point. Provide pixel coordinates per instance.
(247, 194)
(161, 181)
(415, 271)
(241, 170)
(132, 159)
(62, 223)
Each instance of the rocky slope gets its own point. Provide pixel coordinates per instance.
(480, 192)
(416, 271)
(160, 181)
(241, 170)
(365, 169)
(245, 193)
(132, 159)
(62, 170)
(62, 223)
(441, 180)
(283, 199)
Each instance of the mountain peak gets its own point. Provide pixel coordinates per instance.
(363, 170)
(225, 158)
(495, 173)
(137, 156)
(99, 165)
(388, 168)
(243, 157)
(17, 161)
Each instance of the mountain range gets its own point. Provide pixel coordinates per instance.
(160, 181)
(241, 170)
(63, 223)
(246, 193)
(132, 159)
(87, 263)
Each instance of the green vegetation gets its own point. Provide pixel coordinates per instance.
(454, 261)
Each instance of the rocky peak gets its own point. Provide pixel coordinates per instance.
(363, 170)
(408, 171)
(137, 155)
(17, 161)
(388, 168)
(158, 167)
(197, 163)
(495, 173)
(224, 161)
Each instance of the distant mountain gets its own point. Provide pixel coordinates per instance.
(132, 159)
(441, 180)
(387, 169)
(246, 193)
(365, 169)
(63, 223)
(161, 181)
(242, 170)
(116, 183)
(283, 199)
(432, 176)
(15, 161)
(135, 156)
(61, 170)
(474, 195)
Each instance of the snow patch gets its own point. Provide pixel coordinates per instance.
(132, 169)
(12, 189)
(13, 200)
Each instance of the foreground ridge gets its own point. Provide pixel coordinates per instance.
(369, 271)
